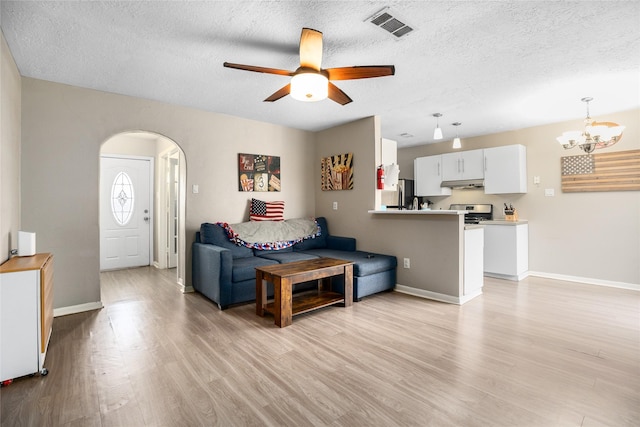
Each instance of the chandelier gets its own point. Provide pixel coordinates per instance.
(595, 134)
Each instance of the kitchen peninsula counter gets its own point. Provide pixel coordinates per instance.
(418, 212)
(445, 255)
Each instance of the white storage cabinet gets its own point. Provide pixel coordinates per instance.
(427, 174)
(505, 169)
(463, 165)
(26, 315)
(506, 250)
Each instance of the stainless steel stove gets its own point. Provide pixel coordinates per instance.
(475, 213)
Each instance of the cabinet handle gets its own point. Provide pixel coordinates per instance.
(438, 168)
(462, 165)
(485, 164)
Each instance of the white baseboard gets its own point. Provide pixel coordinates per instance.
(435, 295)
(586, 280)
(509, 277)
(80, 308)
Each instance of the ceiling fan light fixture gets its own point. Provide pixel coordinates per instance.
(309, 87)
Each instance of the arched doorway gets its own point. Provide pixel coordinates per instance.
(167, 195)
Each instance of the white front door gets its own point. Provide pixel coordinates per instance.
(125, 212)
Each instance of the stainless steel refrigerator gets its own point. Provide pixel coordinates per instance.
(402, 198)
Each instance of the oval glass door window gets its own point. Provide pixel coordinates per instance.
(122, 198)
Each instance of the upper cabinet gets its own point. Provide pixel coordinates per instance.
(389, 158)
(505, 169)
(427, 173)
(463, 165)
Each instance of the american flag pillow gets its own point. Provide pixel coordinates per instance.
(266, 211)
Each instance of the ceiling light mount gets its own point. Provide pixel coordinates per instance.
(437, 132)
(456, 140)
(595, 134)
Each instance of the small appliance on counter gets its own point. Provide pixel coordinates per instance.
(403, 198)
(475, 213)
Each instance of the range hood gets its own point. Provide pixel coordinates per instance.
(463, 183)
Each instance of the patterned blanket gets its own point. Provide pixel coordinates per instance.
(271, 235)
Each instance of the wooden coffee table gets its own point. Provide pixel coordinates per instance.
(284, 276)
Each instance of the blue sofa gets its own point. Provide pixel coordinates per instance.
(225, 272)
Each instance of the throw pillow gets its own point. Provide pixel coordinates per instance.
(266, 211)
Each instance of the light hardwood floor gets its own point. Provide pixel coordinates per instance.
(535, 353)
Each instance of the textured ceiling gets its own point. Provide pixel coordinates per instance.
(492, 65)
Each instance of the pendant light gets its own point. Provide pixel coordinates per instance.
(456, 140)
(437, 133)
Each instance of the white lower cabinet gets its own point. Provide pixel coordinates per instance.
(26, 314)
(506, 250)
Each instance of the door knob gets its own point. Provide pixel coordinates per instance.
(146, 219)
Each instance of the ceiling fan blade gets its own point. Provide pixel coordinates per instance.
(279, 93)
(360, 72)
(337, 95)
(311, 49)
(258, 69)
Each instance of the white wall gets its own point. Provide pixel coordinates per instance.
(10, 106)
(62, 130)
(592, 236)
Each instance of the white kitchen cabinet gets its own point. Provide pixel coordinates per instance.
(505, 169)
(506, 249)
(26, 314)
(427, 174)
(389, 157)
(463, 165)
(473, 262)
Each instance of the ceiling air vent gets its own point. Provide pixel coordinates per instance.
(389, 21)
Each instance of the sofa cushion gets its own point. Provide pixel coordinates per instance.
(259, 252)
(318, 242)
(245, 268)
(365, 263)
(284, 257)
(213, 234)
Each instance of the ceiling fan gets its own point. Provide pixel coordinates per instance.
(312, 83)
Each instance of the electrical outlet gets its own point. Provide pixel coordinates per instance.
(407, 263)
(335, 206)
(195, 188)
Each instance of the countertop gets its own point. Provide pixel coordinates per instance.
(505, 222)
(474, 226)
(419, 212)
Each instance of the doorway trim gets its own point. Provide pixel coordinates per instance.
(182, 199)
